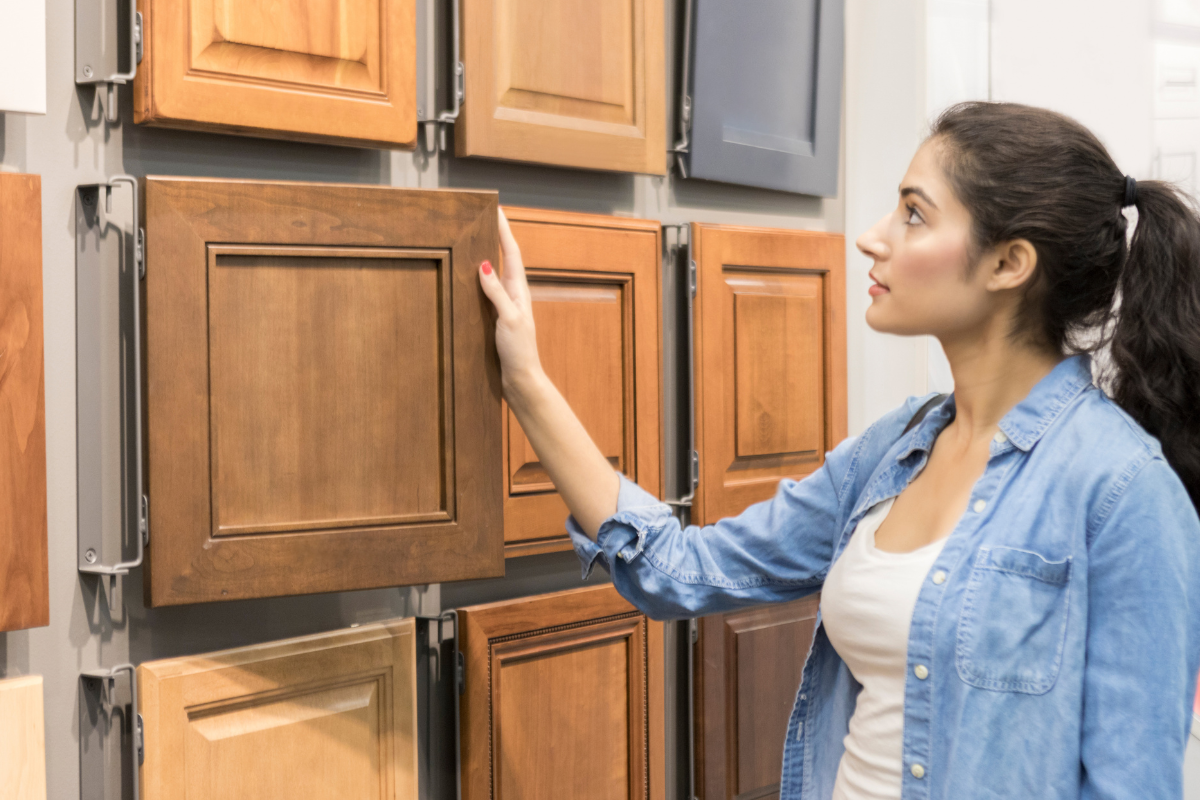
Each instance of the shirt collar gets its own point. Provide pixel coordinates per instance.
(1028, 420)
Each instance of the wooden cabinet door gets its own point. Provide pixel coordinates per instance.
(748, 666)
(564, 698)
(22, 739)
(323, 390)
(595, 284)
(342, 71)
(770, 360)
(577, 83)
(331, 715)
(24, 584)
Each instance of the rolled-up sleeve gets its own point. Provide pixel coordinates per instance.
(776, 550)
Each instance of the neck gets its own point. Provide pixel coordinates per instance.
(991, 375)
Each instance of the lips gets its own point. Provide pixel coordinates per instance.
(877, 288)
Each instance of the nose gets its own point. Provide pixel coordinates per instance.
(873, 243)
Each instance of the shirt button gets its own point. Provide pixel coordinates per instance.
(921, 671)
(979, 506)
(939, 577)
(918, 771)
(1000, 438)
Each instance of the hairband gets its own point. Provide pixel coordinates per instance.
(1130, 192)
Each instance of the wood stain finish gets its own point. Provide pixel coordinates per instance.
(22, 739)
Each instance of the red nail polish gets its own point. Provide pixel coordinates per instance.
(486, 267)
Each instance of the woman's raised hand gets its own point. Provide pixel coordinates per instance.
(516, 341)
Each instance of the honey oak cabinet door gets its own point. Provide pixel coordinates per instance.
(564, 698)
(342, 71)
(24, 584)
(770, 360)
(323, 390)
(595, 284)
(577, 83)
(330, 715)
(747, 673)
(22, 739)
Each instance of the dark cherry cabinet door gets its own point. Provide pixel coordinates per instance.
(24, 582)
(595, 286)
(748, 666)
(564, 698)
(323, 392)
(770, 360)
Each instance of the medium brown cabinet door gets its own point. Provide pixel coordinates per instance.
(577, 83)
(564, 698)
(333, 70)
(24, 585)
(323, 390)
(330, 715)
(770, 360)
(747, 673)
(22, 739)
(594, 281)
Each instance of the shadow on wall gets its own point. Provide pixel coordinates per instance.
(541, 186)
(710, 195)
(12, 141)
(14, 654)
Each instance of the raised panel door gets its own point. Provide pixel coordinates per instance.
(577, 83)
(22, 739)
(748, 669)
(564, 698)
(594, 282)
(330, 715)
(323, 403)
(325, 70)
(770, 360)
(24, 584)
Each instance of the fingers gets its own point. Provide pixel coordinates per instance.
(514, 267)
(495, 291)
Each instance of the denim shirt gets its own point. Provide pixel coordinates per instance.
(1060, 625)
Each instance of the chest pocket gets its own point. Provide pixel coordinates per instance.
(1014, 621)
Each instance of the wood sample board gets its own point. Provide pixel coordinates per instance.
(22, 739)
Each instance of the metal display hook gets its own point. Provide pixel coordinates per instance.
(98, 690)
(89, 274)
(91, 47)
(458, 684)
(438, 126)
(683, 248)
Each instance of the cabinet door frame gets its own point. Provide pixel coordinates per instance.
(487, 129)
(769, 251)
(538, 519)
(173, 90)
(187, 219)
(596, 612)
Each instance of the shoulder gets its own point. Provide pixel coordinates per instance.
(854, 460)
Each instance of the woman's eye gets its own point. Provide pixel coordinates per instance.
(914, 216)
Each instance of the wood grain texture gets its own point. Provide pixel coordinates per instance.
(577, 83)
(323, 395)
(22, 739)
(24, 581)
(749, 666)
(596, 288)
(341, 71)
(330, 715)
(770, 360)
(564, 698)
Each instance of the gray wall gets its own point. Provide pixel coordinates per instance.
(71, 145)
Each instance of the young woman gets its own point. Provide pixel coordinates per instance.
(1010, 599)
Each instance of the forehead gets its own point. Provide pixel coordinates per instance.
(925, 171)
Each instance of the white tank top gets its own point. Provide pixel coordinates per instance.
(867, 605)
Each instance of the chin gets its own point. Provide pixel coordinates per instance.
(882, 321)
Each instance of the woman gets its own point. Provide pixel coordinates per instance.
(1010, 589)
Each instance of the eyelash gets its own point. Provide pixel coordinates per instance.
(911, 211)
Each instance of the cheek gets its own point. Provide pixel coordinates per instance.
(931, 264)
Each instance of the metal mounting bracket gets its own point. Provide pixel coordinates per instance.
(684, 121)
(97, 707)
(96, 39)
(108, 389)
(444, 667)
(693, 628)
(435, 128)
(682, 252)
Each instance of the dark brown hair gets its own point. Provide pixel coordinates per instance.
(1028, 173)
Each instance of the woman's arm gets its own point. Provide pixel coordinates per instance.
(581, 474)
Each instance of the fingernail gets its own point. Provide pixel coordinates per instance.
(486, 267)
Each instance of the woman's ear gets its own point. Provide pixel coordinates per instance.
(1014, 265)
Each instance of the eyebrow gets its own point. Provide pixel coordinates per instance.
(907, 190)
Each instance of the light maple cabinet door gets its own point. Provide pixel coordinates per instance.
(748, 666)
(330, 715)
(577, 83)
(564, 698)
(24, 584)
(342, 71)
(22, 739)
(770, 360)
(323, 391)
(595, 284)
